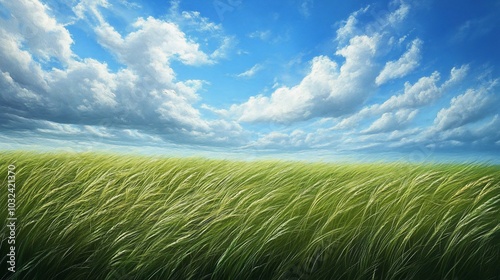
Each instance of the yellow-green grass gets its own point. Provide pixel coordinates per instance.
(90, 216)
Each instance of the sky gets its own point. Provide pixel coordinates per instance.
(293, 79)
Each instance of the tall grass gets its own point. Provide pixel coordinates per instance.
(89, 216)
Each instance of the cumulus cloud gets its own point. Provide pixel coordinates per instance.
(30, 26)
(348, 29)
(84, 94)
(154, 40)
(472, 106)
(326, 90)
(456, 76)
(425, 91)
(422, 93)
(195, 24)
(392, 121)
(330, 89)
(403, 66)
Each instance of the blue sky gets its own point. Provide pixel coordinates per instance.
(293, 79)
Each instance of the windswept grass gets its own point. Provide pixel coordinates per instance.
(88, 216)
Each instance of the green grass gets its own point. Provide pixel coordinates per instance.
(89, 216)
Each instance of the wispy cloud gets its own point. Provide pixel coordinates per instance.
(250, 72)
(472, 106)
(261, 34)
(403, 66)
(389, 122)
(305, 7)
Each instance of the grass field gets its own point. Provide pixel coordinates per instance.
(89, 216)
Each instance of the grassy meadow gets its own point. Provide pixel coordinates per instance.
(90, 216)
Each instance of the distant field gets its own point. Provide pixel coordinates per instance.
(88, 216)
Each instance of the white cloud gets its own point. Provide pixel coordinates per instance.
(490, 129)
(176, 108)
(425, 91)
(422, 93)
(143, 95)
(21, 77)
(250, 72)
(268, 36)
(471, 120)
(212, 33)
(273, 139)
(202, 23)
(18, 71)
(59, 129)
(472, 106)
(148, 52)
(386, 21)
(276, 140)
(90, 6)
(32, 27)
(329, 90)
(401, 67)
(400, 14)
(155, 41)
(348, 28)
(325, 91)
(482, 134)
(85, 86)
(227, 44)
(456, 76)
(130, 5)
(102, 132)
(220, 112)
(260, 34)
(351, 121)
(92, 133)
(392, 121)
(305, 7)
